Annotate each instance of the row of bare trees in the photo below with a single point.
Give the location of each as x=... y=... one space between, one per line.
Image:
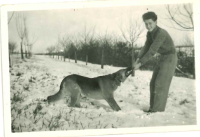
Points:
x=88 y=36
x=180 y=16
x=104 y=51
x=26 y=39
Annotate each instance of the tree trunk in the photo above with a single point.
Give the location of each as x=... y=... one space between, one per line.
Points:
x=113 y=56
x=26 y=52
x=29 y=53
x=75 y=57
x=86 y=59
x=63 y=57
x=22 y=54
x=194 y=76
x=132 y=60
x=10 y=64
x=69 y=57
x=102 y=58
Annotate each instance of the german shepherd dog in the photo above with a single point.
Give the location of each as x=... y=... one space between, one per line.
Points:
x=98 y=88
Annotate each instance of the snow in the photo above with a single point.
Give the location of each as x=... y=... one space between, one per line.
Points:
x=36 y=78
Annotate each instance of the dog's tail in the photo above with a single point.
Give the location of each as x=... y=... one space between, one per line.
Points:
x=55 y=97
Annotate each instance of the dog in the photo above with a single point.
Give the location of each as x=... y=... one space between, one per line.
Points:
x=98 y=88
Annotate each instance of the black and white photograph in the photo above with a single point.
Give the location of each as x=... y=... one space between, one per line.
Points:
x=95 y=68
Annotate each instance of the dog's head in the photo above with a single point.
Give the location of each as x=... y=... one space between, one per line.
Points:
x=122 y=74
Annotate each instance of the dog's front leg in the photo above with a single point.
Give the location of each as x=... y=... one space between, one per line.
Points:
x=113 y=104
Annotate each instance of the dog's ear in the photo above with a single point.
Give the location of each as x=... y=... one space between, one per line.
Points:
x=117 y=77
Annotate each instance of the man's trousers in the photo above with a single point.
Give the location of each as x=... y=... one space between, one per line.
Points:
x=161 y=80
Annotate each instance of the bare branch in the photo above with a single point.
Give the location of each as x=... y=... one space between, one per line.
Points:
x=182 y=17
x=20 y=24
x=173 y=27
x=11 y=17
x=34 y=40
x=190 y=14
x=132 y=32
x=122 y=31
x=87 y=34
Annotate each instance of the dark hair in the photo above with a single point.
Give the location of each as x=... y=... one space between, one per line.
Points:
x=149 y=15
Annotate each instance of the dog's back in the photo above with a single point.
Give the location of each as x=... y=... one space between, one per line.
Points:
x=89 y=87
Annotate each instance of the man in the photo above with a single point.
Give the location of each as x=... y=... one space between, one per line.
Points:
x=158 y=41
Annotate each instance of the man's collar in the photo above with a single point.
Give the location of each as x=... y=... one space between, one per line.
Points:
x=154 y=30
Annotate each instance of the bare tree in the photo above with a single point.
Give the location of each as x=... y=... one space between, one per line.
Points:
x=12 y=48
x=9 y=42
x=20 y=24
x=30 y=45
x=104 y=40
x=86 y=36
x=26 y=41
x=51 y=50
x=181 y=17
x=58 y=46
x=115 y=39
x=68 y=49
x=131 y=33
x=76 y=45
x=65 y=42
x=29 y=42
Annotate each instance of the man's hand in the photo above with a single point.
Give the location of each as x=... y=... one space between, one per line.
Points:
x=137 y=64
x=136 y=61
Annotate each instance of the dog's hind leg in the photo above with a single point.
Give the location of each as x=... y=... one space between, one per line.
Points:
x=77 y=104
x=75 y=92
x=75 y=100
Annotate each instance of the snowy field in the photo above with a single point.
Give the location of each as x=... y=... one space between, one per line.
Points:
x=36 y=78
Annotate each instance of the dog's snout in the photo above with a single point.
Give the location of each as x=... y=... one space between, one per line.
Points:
x=128 y=72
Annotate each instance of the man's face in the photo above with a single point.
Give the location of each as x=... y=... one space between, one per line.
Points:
x=150 y=24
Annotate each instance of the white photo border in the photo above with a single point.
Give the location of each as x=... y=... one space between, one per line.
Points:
x=90 y=4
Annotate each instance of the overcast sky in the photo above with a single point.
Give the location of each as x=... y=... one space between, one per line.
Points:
x=47 y=25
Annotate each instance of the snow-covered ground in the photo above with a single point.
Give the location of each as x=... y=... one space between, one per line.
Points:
x=35 y=79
